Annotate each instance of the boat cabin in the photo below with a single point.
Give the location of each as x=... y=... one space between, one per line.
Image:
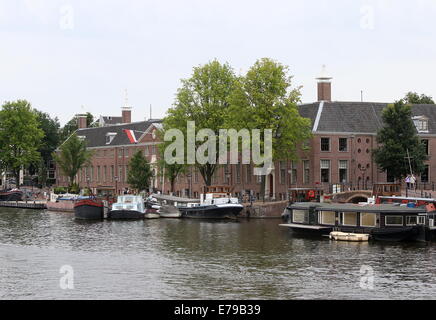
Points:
x=129 y=202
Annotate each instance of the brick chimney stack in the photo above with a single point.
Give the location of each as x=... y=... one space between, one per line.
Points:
x=81 y=121
x=126 y=112
x=324 y=86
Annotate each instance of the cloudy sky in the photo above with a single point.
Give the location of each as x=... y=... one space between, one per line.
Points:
x=62 y=55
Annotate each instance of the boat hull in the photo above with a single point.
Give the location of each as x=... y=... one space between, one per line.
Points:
x=125 y=215
x=394 y=234
x=88 y=210
x=11 y=196
x=211 y=212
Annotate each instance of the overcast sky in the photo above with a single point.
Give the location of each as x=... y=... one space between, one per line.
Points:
x=61 y=55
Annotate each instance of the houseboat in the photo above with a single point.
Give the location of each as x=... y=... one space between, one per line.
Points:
x=128 y=207
x=384 y=222
x=215 y=203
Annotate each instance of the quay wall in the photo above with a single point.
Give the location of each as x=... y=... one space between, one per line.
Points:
x=262 y=210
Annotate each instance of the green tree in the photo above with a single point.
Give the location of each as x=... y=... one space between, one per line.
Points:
x=168 y=171
x=71 y=126
x=264 y=99
x=397 y=138
x=50 y=142
x=415 y=98
x=203 y=98
x=20 y=137
x=140 y=172
x=71 y=157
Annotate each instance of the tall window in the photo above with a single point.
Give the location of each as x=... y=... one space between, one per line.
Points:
x=425 y=143
x=105 y=173
x=293 y=176
x=282 y=172
x=325 y=144
x=248 y=175
x=112 y=173
x=196 y=175
x=325 y=170
x=238 y=173
x=306 y=168
x=343 y=145
x=343 y=171
x=424 y=175
x=98 y=173
x=146 y=152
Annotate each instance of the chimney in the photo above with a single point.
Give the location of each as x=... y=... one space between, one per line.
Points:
x=324 y=86
x=126 y=112
x=81 y=121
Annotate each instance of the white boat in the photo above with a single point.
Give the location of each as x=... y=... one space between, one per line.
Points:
x=168 y=206
x=344 y=236
x=128 y=207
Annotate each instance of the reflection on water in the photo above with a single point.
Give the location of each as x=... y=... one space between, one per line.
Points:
x=193 y=259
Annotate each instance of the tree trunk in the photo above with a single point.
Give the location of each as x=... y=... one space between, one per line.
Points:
x=17 y=178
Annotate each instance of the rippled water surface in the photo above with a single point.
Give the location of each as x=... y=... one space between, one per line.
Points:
x=192 y=259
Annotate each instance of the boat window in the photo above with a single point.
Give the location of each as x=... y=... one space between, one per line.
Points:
x=368 y=219
x=394 y=220
x=411 y=221
x=349 y=218
x=300 y=216
x=328 y=217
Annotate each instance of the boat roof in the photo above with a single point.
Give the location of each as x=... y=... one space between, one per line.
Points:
x=408 y=198
x=173 y=198
x=349 y=207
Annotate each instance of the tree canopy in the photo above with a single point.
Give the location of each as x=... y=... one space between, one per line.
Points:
x=72 y=156
x=397 y=138
x=203 y=98
x=20 y=137
x=415 y=98
x=140 y=172
x=264 y=99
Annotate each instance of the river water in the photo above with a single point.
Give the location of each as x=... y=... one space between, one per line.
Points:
x=192 y=259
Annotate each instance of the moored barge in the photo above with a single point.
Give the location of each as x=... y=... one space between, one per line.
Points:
x=383 y=222
x=89 y=208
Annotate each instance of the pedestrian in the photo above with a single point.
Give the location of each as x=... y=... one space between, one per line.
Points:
x=408 y=181
x=413 y=182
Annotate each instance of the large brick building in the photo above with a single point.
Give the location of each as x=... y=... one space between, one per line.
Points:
x=340 y=151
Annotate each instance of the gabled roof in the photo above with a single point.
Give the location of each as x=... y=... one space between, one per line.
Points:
x=357 y=117
x=96 y=137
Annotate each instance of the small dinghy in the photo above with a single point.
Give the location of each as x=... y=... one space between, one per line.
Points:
x=353 y=237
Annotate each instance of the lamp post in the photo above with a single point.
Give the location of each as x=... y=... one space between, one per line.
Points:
x=363 y=170
x=116 y=185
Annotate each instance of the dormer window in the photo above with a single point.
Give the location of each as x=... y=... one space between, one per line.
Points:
x=110 y=137
x=421 y=124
